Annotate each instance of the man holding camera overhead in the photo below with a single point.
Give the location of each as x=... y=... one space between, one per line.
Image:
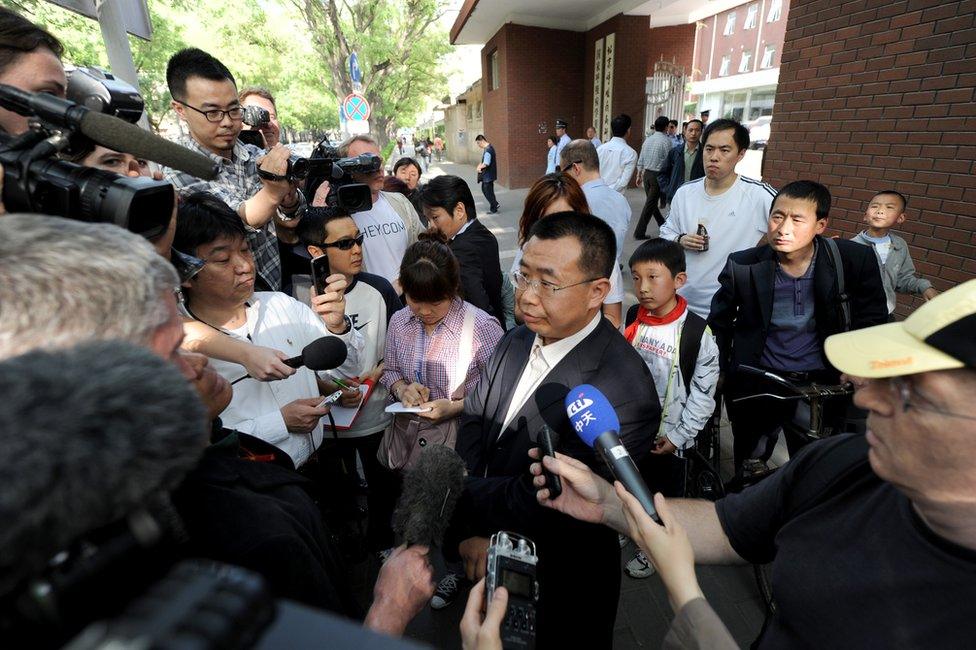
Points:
x=205 y=98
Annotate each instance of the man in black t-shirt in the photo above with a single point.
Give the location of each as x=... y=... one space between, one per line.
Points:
x=872 y=539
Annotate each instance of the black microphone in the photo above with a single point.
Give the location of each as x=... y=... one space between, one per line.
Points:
x=323 y=353
x=108 y=131
x=431 y=490
x=88 y=436
x=595 y=421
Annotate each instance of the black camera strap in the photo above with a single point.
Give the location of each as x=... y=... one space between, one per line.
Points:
x=269 y=176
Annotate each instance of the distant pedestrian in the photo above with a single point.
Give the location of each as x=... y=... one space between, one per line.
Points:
x=563 y=137
x=591 y=136
x=488 y=172
x=551 y=160
x=654 y=153
x=617 y=158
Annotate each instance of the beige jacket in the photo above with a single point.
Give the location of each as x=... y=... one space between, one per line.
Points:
x=403 y=207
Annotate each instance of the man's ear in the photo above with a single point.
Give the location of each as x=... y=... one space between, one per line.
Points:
x=599 y=289
x=680 y=279
x=178 y=108
x=315 y=251
x=460 y=211
x=821 y=225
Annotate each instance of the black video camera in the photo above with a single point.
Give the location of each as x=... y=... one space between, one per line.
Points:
x=345 y=195
x=36 y=180
x=256 y=117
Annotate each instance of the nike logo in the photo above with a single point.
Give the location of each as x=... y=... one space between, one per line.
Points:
x=359 y=327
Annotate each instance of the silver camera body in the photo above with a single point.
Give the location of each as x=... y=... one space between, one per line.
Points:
x=512 y=564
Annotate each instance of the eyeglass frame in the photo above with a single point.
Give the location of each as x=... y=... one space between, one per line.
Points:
x=341 y=243
x=903 y=389
x=537 y=284
x=216 y=110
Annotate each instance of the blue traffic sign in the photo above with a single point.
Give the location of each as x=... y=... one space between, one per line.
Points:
x=354 y=70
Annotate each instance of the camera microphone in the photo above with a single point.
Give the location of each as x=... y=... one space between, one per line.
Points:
x=430 y=492
x=324 y=353
x=107 y=131
x=88 y=436
x=594 y=419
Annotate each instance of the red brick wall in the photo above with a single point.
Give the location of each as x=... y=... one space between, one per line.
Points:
x=741 y=39
x=541 y=74
x=875 y=94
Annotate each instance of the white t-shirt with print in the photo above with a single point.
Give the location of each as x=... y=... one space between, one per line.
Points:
x=385 y=239
x=735 y=220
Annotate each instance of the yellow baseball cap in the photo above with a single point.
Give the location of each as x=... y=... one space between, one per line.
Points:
x=940 y=335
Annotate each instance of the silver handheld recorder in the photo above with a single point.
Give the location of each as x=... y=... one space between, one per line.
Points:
x=512 y=564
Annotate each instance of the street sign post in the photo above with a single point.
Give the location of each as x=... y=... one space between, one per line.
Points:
x=356 y=107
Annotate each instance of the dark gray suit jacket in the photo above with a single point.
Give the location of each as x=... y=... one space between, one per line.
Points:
x=579 y=563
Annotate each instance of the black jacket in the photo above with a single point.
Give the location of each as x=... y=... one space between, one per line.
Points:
x=579 y=563
x=476 y=250
x=743 y=305
x=672 y=174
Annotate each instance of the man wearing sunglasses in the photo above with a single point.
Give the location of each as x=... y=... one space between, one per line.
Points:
x=251 y=182
x=370 y=303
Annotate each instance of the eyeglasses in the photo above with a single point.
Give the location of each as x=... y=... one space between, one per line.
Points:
x=345 y=244
x=542 y=288
x=904 y=388
x=216 y=115
x=569 y=165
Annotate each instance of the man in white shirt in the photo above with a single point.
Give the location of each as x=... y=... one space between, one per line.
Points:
x=580 y=161
x=617 y=158
x=654 y=152
x=391 y=225
x=733 y=209
x=562 y=138
x=284 y=413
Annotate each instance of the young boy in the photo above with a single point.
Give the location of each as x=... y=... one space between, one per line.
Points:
x=682 y=356
x=886 y=210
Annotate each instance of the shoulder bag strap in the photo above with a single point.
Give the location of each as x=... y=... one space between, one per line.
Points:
x=465 y=352
x=845 y=300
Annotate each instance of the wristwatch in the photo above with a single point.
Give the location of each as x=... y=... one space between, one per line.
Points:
x=299 y=206
x=678 y=240
x=348 y=323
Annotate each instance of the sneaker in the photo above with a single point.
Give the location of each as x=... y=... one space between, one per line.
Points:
x=447 y=591
x=384 y=555
x=623 y=539
x=754 y=467
x=639 y=567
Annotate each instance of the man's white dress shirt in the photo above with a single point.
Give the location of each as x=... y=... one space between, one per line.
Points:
x=617 y=162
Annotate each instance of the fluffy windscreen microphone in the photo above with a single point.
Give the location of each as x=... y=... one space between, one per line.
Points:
x=111 y=132
x=430 y=492
x=324 y=353
x=87 y=436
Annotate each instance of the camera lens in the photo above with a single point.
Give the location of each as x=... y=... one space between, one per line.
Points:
x=298 y=168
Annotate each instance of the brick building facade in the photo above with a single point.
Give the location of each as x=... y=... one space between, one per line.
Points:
x=875 y=94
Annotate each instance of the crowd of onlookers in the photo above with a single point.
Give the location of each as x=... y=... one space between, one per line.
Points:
x=444 y=347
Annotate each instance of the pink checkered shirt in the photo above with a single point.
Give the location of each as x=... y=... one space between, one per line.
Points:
x=413 y=355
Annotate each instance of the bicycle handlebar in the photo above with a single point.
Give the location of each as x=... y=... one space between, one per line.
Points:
x=810 y=390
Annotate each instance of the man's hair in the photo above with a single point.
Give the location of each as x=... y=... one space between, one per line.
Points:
x=403 y=162
x=661 y=123
x=363 y=137
x=193 y=62
x=807 y=191
x=581 y=151
x=481 y=138
x=257 y=91
x=203 y=218
x=904 y=199
x=664 y=251
x=740 y=134
x=619 y=125
x=19 y=36
x=546 y=191
x=445 y=192
x=311 y=229
x=429 y=271
x=63 y=282
x=596 y=238
x=673 y=123
x=688 y=123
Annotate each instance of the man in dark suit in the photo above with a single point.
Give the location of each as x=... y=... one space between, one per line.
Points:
x=449 y=208
x=776 y=305
x=560 y=287
x=488 y=172
x=684 y=163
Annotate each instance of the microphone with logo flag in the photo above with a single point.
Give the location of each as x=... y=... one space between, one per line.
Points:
x=594 y=419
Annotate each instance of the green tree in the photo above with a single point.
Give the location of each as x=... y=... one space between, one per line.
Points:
x=401 y=48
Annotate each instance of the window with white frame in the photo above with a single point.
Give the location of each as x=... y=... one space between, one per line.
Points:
x=751 y=17
x=729 y=24
x=775 y=10
x=745 y=65
x=726 y=62
x=768 y=54
x=493 y=77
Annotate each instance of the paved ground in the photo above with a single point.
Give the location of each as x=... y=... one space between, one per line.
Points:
x=643 y=615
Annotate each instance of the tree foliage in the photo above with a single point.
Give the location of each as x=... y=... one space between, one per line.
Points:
x=298 y=49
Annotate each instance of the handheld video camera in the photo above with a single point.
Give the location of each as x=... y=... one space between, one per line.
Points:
x=345 y=195
x=36 y=180
x=256 y=117
x=512 y=564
